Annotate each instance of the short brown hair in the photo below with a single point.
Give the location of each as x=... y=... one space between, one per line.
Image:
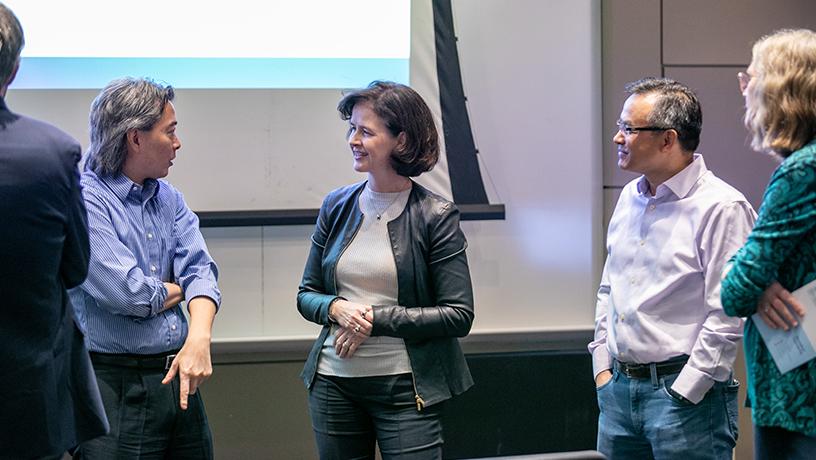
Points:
x=402 y=110
x=781 y=108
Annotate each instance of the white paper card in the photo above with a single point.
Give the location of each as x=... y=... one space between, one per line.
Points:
x=793 y=347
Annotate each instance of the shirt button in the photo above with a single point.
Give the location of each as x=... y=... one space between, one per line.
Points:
x=622 y=317
x=642 y=242
x=173 y=327
x=153 y=268
x=149 y=236
x=651 y=207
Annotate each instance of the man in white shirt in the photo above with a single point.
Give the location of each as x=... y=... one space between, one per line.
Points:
x=663 y=350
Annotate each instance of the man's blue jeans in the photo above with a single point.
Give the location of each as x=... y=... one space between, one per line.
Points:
x=641 y=420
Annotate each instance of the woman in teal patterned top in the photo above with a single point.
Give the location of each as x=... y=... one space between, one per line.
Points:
x=780 y=255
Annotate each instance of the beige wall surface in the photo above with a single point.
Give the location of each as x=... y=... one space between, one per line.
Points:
x=716 y=33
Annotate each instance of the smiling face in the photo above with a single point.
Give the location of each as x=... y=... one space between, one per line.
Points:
x=639 y=151
x=371 y=142
x=151 y=152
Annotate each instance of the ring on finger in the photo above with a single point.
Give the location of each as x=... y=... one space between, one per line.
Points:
x=357 y=329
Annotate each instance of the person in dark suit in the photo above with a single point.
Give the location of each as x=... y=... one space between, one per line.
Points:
x=49 y=400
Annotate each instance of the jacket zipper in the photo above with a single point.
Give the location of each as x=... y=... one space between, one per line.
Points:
x=420 y=403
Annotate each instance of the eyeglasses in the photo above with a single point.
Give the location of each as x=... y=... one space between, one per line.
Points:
x=744 y=78
x=629 y=130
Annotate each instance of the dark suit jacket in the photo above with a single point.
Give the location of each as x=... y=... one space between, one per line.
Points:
x=49 y=400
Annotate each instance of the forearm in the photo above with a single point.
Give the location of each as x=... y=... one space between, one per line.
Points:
x=312 y=300
x=749 y=273
x=712 y=357
x=127 y=295
x=193 y=364
x=601 y=359
x=202 y=313
x=314 y=306
x=422 y=322
x=788 y=213
x=174 y=295
x=451 y=316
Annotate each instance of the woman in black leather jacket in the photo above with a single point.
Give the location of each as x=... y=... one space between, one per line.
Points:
x=388 y=278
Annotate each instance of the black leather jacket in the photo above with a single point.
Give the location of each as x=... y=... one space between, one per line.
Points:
x=435 y=293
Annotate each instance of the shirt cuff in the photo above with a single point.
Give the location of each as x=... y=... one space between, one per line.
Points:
x=203 y=288
x=601 y=360
x=692 y=384
x=157 y=299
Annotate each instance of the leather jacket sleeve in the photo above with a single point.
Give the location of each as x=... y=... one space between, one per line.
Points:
x=444 y=290
x=312 y=300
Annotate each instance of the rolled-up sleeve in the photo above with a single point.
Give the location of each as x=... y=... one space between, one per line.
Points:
x=114 y=277
x=195 y=269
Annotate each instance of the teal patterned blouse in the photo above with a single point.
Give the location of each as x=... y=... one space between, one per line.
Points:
x=782 y=247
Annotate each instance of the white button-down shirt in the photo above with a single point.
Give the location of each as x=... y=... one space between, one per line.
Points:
x=660 y=291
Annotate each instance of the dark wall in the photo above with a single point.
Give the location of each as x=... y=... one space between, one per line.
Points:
x=524 y=403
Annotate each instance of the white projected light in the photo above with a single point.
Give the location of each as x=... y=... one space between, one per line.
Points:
x=200 y=44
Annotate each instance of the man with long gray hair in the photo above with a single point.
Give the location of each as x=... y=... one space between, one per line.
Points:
x=664 y=349
x=147 y=255
x=49 y=401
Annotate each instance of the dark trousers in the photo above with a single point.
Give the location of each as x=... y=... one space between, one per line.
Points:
x=145 y=419
x=350 y=414
x=774 y=443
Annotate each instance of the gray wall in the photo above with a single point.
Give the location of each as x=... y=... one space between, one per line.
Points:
x=518 y=105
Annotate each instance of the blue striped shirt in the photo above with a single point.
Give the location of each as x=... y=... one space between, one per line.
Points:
x=140 y=237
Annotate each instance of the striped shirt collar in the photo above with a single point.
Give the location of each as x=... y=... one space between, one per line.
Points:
x=123 y=187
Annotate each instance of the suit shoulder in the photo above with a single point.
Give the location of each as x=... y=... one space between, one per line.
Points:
x=46 y=132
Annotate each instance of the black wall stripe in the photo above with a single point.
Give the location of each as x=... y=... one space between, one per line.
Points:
x=463 y=164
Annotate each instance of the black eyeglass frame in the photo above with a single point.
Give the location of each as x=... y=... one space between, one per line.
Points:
x=629 y=130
